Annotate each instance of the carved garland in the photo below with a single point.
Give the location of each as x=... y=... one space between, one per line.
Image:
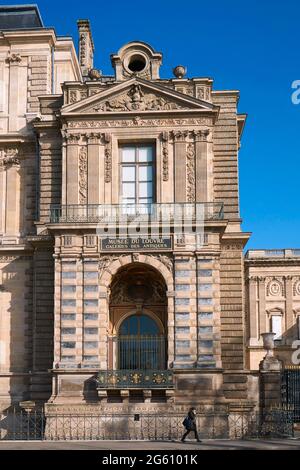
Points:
x=83 y=175
x=107 y=153
x=190 y=164
x=165 y=155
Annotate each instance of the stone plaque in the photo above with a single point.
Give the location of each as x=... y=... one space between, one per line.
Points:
x=136 y=244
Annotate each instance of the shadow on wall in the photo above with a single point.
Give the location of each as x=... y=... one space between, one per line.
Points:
x=16 y=327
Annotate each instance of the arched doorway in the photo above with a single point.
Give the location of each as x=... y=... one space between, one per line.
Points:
x=141 y=343
x=138 y=319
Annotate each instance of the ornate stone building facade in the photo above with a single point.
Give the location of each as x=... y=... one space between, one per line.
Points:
x=93 y=310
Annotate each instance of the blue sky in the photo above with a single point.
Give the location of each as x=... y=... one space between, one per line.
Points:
x=249 y=45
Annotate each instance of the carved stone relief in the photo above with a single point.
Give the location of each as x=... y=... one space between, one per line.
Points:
x=275 y=287
x=296 y=288
x=138 y=121
x=190 y=174
x=83 y=175
x=108 y=157
x=165 y=156
x=9 y=157
x=137 y=100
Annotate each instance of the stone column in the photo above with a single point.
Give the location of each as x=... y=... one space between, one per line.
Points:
x=180 y=165
x=262 y=304
x=13 y=104
x=185 y=311
x=253 y=326
x=201 y=165
x=57 y=310
x=10 y=167
x=171 y=329
x=208 y=311
x=289 y=319
x=72 y=169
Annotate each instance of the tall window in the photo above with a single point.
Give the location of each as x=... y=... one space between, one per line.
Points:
x=137 y=174
x=140 y=344
x=276 y=326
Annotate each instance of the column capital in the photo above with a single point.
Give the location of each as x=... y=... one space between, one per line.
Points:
x=201 y=135
x=179 y=136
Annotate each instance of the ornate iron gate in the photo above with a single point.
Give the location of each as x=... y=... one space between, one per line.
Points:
x=291 y=390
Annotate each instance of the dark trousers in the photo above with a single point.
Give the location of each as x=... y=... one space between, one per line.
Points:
x=188 y=431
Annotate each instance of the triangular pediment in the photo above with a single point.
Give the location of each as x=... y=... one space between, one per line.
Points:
x=137 y=95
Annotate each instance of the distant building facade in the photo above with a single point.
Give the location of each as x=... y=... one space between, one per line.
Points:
x=95 y=308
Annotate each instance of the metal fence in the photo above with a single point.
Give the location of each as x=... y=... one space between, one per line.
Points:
x=291 y=390
x=35 y=425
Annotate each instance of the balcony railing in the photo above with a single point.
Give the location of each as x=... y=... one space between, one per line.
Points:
x=120 y=379
x=149 y=213
x=283 y=253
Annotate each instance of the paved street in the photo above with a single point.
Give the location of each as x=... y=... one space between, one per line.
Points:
x=215 y=444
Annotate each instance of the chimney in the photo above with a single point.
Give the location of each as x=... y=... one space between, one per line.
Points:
x=86 y=47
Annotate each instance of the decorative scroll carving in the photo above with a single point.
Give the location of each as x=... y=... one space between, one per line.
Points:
x=165 y=155
x=9 y=157
x=136 y=100
x=190 y=174
x=14 y=58
x=83 y=175
x=137 y=121
x=83 y=94
x=107 y=153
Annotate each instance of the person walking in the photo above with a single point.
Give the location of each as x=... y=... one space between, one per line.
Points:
x=190 y=424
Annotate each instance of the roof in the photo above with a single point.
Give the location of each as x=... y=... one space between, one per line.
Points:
x=20 y=17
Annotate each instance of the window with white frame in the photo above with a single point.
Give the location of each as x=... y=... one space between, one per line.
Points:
x=276 y=326
x=137 y=174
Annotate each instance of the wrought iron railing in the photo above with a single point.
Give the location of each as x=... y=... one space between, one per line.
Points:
x=120 y=379
x=16 y=424
x=122 y=213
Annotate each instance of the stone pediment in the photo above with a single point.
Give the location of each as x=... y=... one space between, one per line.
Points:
x=137 y=95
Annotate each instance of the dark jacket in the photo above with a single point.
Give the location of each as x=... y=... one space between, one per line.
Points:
x=191 y=422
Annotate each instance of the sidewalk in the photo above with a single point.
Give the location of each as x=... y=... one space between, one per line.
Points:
x=207 y=444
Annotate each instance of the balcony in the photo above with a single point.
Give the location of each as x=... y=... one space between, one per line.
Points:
x=135 y=379
x=121 y=214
